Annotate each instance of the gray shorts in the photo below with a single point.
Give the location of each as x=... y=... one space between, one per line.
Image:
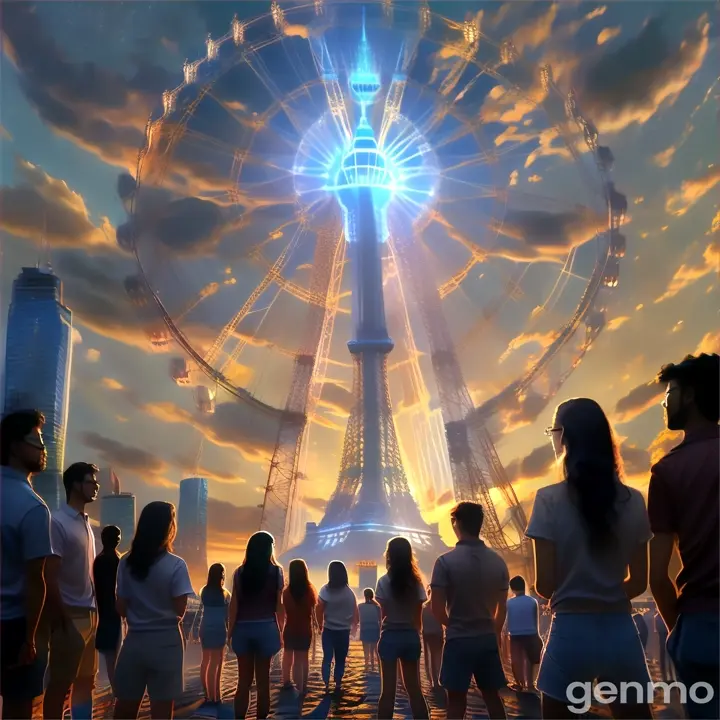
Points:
x=152 y=660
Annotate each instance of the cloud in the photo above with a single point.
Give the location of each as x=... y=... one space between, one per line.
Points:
x=41 y=207
x=117 y=454
x=637 y=401
x=221 y=476
x=630 y=84
x=92 y=355
x=337 y=399
x=534 y=466
x=687 y=275
x=76 y=337
x=710 y=343
x=229 y=527
x=664 y=157
x=715 y=225
x=514 y=411
x=111 y=383
x=663 y=442
x=692 y=190
x=96 y=108
x=607 y=34
x=636 y=460
x=315 y=503
x=539 y=234
x=543 y=339
x=94 y=291
x=233 y=424
x=617 y=322
x=5 y=133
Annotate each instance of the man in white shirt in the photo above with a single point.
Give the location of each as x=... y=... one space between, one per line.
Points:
x=522 y=627
x=73 y=660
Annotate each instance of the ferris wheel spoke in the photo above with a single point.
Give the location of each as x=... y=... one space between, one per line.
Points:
x=333 y=91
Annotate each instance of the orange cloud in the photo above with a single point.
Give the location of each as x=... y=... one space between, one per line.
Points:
x=710 y=343
x=607 y=34
x=686 y=275
x=692 y=190
x=617 y=322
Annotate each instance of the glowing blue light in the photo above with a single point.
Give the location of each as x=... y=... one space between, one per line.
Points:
x=364 y=81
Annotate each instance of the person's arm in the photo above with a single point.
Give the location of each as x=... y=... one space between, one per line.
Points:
x=279 y=606
x=320 y=614
x=438 y=597
x=180 y=588
x=355 y=619
x=37 y=547
x=232 y=612
x=501 y=602
x=541 y=530
x=636 y=581
x=662 y=524
x=58 y=612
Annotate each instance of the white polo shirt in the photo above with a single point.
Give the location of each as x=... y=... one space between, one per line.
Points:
x=73 y=541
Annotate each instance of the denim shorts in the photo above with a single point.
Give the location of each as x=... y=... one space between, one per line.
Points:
x=465 y=658
x=583 y=647
x=399 y=644
x=19 y=682
x=256 y=637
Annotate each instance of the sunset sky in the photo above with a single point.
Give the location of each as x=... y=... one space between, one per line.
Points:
x=79 y=81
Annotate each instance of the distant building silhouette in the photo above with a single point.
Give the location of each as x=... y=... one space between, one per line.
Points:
x=191 y=542
x=119 y=510
x=38 y=360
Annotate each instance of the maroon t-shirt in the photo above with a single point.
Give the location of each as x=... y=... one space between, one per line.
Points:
x=683 y=499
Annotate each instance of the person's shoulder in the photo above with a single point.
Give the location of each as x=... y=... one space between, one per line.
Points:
x=174 y=561
x=552 y=492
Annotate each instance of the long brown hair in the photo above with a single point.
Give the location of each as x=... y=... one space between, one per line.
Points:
x=259 y=556
x=154 y=535
x=401 y=567
x=592 y=466
x=299 y=583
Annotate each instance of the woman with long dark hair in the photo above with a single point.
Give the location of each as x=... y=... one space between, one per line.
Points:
x=299 y=600
x=152 y=591
x=337 y=617
x=369 y=628
x=401 y=595
x=590 y=532
x=255 y=611
x=215 y=600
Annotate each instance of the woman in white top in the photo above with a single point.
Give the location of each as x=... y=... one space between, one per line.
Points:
x=401 y=595
x=591 y=535
x=152 y=591
x=337 y=617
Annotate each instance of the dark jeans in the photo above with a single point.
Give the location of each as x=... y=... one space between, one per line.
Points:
x=19 y=682
x=694 y=648
x=334 y=643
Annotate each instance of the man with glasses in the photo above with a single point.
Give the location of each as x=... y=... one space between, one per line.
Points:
x=26 y=544
x=73 y=660
x=683 y=505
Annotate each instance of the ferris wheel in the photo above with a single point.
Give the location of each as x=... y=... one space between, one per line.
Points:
x=240 y=243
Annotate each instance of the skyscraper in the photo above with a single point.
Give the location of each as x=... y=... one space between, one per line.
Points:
x=38 y=359
x=119 y=510
x=191 y=541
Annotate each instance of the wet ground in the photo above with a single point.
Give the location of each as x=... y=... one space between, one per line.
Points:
x=358 y=701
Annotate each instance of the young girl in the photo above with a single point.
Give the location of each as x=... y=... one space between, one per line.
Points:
x=152 y=591
x=369 y=628
x=433 y=641
x=255 y=606
x=337 y=616
x=591 y=535
x=299 y=600
x=215 y=600
x=401 y=595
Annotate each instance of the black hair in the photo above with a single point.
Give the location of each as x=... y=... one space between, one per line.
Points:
x=337 y=575
x=15 y=427
x=401 y=567
x=469 y=516
x=110 y=536
x=154 y=535
x=76 y=473
x=258 y=559
x=517 y=583
x=214 y=591
x=702 y=375
x=592 y=466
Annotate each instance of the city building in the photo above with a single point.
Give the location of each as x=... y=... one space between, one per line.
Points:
x=38 y=359
x=367 y=575
x=191 y=541
x=109 y=485
x=119 y=509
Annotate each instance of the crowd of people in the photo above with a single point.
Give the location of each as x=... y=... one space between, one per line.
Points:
x=596 y=546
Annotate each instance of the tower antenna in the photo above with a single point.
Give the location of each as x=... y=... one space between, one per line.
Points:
x=43 y=261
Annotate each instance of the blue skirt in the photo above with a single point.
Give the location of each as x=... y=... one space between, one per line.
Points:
x=369 y=634
x=213 y=637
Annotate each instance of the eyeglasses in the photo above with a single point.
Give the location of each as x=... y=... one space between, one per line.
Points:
x=550 y=430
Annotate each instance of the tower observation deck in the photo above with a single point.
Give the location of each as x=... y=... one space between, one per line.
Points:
x=372 y=501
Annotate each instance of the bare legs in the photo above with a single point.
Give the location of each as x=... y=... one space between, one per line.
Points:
x=246 y=673
x=433 y=647
x=110 y=660
x=296 y=663
x=370 y=652
x=411 y=681
x=211 y=668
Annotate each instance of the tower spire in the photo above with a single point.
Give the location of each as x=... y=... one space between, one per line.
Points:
x=43 y=261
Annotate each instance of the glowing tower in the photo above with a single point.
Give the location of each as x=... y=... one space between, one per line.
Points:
x=372 y=501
